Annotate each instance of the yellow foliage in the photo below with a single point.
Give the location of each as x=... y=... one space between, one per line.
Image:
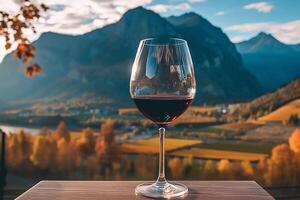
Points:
x=224 y=165
x=247 y=168
x=62 y=132
x=176 y=167
x=106 y=147
x=281 y=167
x=85 y=144
x=44 y=151
x=18 y=150
x=210 y=170
x=294 y=141
x=91 y=164
x=281 y=154
x=225 y=169
x=145 y=167
x=66 y=155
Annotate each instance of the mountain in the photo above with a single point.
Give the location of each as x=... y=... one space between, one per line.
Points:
x=99 y=62
x=263 y=43
x=265 y=56
x=269 y=102
x=220 y=75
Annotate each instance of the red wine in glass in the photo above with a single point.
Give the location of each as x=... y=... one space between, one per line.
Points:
x=162 y=109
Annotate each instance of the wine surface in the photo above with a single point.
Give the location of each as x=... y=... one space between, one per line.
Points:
x=162 y=110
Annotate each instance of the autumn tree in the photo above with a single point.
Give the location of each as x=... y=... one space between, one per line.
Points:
x=236 y=172
x=106 y=147
x=66 y=156
x=294 y=142
x=91 y=167
x=146 y=166
x=225 y=169
x=12 y=27
x=281 y=169
x=44 y=152
x=18 y=150
x=248 y=170
x=86 y=143
x=210 y=171
x=62 y=131
x=261 y=170
x=176 y=167
x=187 y=166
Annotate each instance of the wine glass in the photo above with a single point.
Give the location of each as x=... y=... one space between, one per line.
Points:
x=162 y=85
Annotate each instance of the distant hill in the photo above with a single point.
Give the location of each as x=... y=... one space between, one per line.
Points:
x=272 y=62
x=263 y=43
x=99 y=62
x=267 y=103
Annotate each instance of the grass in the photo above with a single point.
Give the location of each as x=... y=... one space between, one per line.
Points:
x=219 y=154
x=238 y=126
x=151 y=146
x=284 y=112
x=265 y=148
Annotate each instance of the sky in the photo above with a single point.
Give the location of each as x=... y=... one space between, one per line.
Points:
x=239 y=19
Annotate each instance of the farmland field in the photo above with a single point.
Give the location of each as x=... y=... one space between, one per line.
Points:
x=238 y=126
x=264 y=148
x=270 y=132
x=283 y=113
x=219 y=154
x=151 y=146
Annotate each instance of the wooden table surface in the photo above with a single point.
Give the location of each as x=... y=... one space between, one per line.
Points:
x=114 y=190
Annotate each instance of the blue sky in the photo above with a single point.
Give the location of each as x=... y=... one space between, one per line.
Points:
x=239 y=19
x=242 y=19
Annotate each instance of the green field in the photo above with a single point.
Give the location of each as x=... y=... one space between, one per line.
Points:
x=219 y=154
x=241 y=147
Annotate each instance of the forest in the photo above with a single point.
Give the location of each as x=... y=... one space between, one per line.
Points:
x=87 y=155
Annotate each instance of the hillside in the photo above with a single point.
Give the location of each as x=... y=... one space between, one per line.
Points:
x=283 y=113
x=265 y=56
x=99 y=62
x=267 y=103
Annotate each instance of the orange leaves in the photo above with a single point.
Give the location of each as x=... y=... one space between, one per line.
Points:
x=33 y=70
x=30 y=11
x=25 y=52
x=7 y=45
x=12 y=29
x=294 y=141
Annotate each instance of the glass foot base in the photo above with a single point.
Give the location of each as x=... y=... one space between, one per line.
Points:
x=165 y=190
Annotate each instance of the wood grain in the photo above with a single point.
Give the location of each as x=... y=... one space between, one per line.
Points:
x=116 y=190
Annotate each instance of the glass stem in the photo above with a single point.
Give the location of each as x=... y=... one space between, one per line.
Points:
x=161 y=180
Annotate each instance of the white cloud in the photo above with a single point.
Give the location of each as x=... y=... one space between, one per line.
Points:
x=288 y=32
x=161 y=8
x=249 y=27
x=263 y=7
x=220 y=13
x=78 y=17
x=197 y=1
x=237 y=38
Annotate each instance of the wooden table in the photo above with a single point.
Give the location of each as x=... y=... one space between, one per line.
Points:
x=114 y=190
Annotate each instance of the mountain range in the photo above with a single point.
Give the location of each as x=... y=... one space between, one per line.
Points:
x=272 y=62
x=99 y=62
